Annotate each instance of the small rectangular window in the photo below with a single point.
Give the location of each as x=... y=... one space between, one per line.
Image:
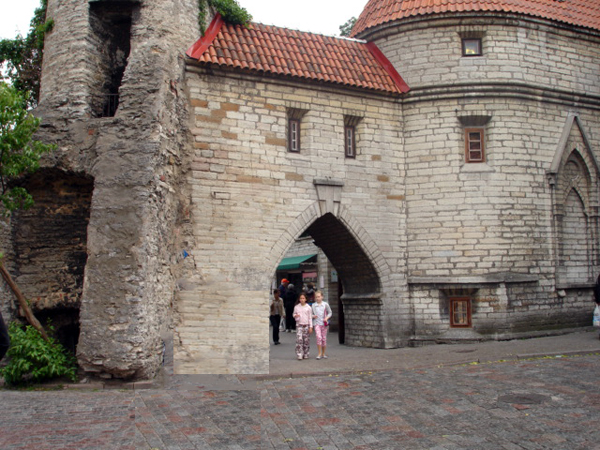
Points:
x=471 y=47
x=474 y=145
x=460 y=312
x=294 y=135
x=350 y=142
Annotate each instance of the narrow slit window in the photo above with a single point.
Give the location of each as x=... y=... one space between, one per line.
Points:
x=294 y=135
x=474 y=151
x=471 y=47
x=460 y=312
x=350 y=142
x=111 y=24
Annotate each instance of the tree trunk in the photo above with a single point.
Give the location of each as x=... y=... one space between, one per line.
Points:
x=22 y=301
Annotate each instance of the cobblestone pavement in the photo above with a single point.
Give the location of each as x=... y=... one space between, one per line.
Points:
x=535 y=403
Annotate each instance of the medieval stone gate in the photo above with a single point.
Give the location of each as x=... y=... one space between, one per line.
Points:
x=455 y=194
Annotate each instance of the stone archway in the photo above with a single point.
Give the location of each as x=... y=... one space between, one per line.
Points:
x=573 y=178
x=360 y=265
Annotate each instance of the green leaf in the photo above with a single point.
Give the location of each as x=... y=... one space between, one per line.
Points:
x=32 y=358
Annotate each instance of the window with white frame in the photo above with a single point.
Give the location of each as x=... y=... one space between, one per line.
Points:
x=350 y=135
x=294 y=135
x=294 y=129
x=474 y=145
x=350 y=141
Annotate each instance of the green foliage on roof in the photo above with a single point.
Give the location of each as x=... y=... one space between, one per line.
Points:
x=230 y=10
x=346 y=28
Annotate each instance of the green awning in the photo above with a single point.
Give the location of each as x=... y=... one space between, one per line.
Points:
x=294 y=262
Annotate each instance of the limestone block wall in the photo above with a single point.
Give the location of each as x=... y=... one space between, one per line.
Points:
x=428 y=53
x=469 y=219
x=472 y=227
x=242 y=176
x=302 y=246
x=480 y=220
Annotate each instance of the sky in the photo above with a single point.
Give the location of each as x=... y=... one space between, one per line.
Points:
x=317 y=16
x=15 y=17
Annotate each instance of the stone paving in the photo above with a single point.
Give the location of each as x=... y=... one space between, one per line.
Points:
x=550 y=402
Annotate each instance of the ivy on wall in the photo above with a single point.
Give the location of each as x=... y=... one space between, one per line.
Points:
x=230 y=10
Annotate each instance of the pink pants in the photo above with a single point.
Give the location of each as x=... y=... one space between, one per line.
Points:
x=321 y=332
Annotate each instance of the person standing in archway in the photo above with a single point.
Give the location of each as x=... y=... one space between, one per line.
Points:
x=276 y=313
x=321 y=316
x=283 y=287
x=289 y=301
x=303 y=317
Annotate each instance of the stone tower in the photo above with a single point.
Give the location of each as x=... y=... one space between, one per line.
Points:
x=112 y=99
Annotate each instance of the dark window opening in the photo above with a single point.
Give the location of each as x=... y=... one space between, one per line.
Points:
x=111 y=26
x=471 y=47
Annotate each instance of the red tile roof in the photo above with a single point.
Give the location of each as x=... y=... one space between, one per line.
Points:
x=584 y=13
x=283 y=52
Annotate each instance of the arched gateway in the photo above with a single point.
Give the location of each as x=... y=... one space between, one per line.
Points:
x=362 y=269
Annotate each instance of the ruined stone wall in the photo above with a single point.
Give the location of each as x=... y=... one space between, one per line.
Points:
x=134 y=158
x=243 y=176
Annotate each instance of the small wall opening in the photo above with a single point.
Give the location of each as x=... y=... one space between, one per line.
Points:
x=66 y=325
x=50 y=248
x=110 y=22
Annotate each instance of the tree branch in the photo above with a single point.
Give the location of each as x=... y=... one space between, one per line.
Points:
x=22 y=301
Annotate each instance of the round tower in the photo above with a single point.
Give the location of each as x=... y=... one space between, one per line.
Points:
x=504 y=98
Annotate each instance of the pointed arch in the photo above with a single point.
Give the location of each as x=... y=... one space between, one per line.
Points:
x=361 y=237
x=574 y=243
x=361 y=267
x=574 y=175
x=574 y=180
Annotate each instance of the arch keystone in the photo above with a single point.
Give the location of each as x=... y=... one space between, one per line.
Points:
x=329 y=194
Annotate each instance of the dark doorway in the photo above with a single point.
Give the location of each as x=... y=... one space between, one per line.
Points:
x=49 y=252
x=358 y=287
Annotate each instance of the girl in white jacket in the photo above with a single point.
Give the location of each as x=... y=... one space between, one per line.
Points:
x=321 y=316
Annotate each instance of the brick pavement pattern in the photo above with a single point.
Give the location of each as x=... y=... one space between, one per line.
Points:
x=542 y=403
x=539 y=404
